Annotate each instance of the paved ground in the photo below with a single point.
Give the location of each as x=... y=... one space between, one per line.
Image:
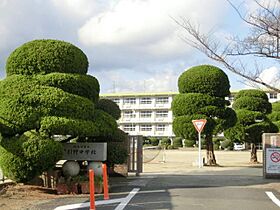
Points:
x=177 y=184
x=171 y=181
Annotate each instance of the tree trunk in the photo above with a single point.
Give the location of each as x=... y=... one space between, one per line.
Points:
x=211 y=160
x=254 y=158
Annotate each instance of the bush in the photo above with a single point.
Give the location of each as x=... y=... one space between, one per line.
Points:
x=103 y=125
x=189 y=143
x=204 y=79
x=110 y=107
x=227 y=144
x=82 y=85
x=177 y=142
x=191 y=103
x=46 y=56
x=25 y=157
x=252 y=104
x=165 y=142
x=116 y=153
x=154 y=141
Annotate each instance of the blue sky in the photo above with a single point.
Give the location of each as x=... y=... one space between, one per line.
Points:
x=132 y=45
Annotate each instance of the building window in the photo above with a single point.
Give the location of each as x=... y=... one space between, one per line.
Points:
x=145 y=100
x=162 y=100
x=146 y=114
x=160 y=127
x=116 y=100
x=129 y=127
x=161 y=114
x=129 y=114
x=129 y=101
x=273 y=95
x=145 y=127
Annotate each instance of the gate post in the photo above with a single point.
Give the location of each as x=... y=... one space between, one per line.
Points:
x=135 y=157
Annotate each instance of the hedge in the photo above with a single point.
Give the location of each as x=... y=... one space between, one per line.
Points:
x=252 y=93
x=253 y=104
x=177 y=142
x=82 y=85
x=110 y=107
x=205 y=79
x=191 y=103
x=46 y=56
x=102 y=125
x=24 y=157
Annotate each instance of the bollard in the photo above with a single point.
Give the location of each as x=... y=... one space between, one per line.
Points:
x=91 y=189
x=105 y=182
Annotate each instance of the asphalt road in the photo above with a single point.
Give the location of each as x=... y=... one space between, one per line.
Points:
x=186 y=191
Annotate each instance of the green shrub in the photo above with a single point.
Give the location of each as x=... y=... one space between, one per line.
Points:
x=204 y=79
x=177 y=142
x=27 y=156
x=154 y=141
x=252 y=104
x=189 y=143
x=191 y=103
x=110 y=107
x=116 y=153
x=103 y=125
x=165 y=142
x=82 y=85
x=46 y=56
x=227 y=144
x=252 y=93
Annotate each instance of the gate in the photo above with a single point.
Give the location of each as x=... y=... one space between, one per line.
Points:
x=135 y=157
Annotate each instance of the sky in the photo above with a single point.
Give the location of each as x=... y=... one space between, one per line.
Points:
x=131 y=45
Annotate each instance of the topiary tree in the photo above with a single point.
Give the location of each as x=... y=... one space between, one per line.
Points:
x=202 y=96
x=117 y=144
x=274 y=116
x=252 y=107
x=47 y=92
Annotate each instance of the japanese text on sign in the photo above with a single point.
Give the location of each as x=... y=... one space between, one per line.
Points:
x=85 y=151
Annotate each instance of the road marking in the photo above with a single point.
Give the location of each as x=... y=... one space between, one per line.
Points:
x=126 y=200
x=123 y=202
x=273 y=198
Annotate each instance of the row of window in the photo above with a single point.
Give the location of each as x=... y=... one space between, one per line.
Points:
x=146 y=100
x=144 y=127
x=270 y=96
x=145 y=114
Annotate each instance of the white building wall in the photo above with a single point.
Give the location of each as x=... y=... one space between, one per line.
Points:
x=136 y=121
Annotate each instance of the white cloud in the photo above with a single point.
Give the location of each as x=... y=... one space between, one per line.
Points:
x=119 y=81
x=147 y=26
x=132 y=40
x=271 y=76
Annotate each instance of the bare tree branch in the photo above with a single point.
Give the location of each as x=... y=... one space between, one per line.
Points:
x=263 y=41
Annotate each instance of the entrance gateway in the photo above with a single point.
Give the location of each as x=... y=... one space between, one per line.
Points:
x=271 y=155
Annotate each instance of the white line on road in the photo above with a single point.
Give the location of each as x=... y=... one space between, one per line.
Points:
x=126 y=200
x=273 y=198
x=123 y=201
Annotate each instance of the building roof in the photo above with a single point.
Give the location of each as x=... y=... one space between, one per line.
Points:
x=138 y=94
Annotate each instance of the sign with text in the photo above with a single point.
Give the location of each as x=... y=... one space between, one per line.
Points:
x=85 y=151
x=199 y=124
x=273 y=160
x=271 y=155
